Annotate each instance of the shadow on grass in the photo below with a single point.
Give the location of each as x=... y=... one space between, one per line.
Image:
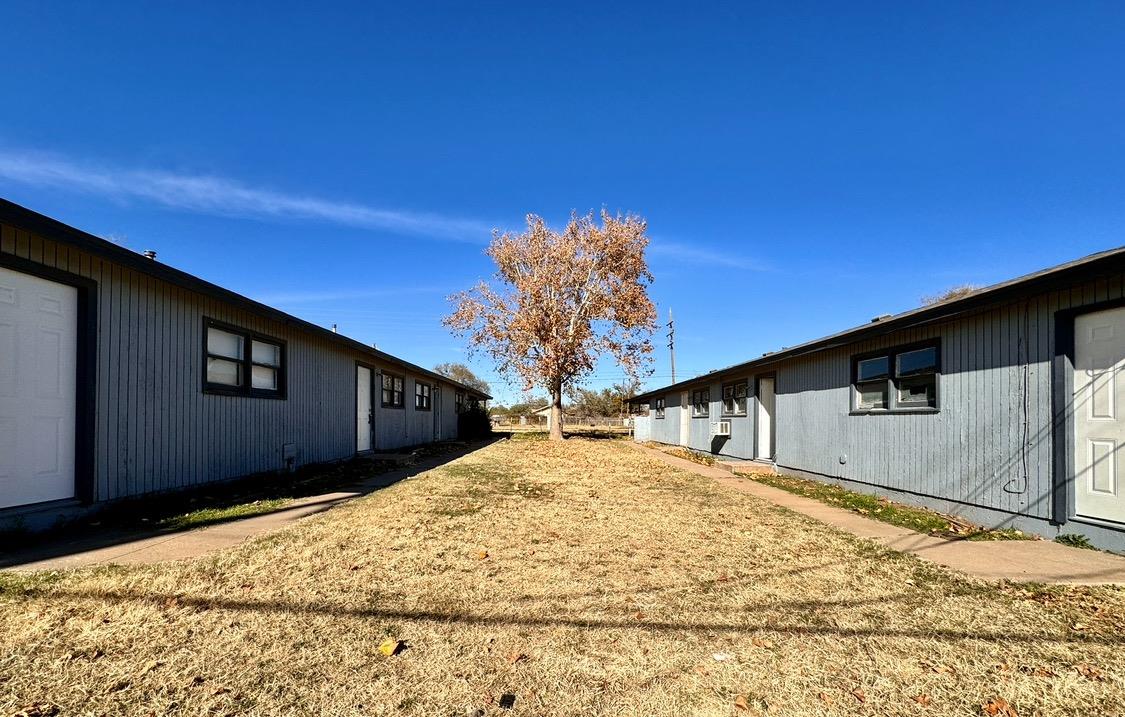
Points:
x=775 y=618
x=174 y=512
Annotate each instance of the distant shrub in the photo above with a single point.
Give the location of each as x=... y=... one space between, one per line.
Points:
x=473 y=423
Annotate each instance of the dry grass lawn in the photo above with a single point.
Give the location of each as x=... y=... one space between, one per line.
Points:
x=581 y=578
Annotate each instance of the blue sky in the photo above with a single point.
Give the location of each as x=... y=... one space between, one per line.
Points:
x=803 y=168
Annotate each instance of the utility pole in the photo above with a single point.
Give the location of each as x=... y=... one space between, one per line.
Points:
x=672 y=343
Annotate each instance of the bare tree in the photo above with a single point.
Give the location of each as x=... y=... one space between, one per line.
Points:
x=954 y=292
x=462 y=373
x=561 y=300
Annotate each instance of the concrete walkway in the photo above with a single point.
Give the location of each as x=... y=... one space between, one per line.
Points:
x=1040 y=561
x=139 y=548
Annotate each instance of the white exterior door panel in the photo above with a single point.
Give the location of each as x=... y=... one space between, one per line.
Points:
x=1099 y=423
x=362 y=409
x=765 y=419
x=38 y=389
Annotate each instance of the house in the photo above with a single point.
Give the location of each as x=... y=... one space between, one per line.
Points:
x=120 y=376
x=1001 y=406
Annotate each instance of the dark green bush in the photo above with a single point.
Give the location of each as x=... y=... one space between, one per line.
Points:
x=473 y=423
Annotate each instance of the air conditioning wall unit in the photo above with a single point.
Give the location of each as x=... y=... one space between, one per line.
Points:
x=720 y=428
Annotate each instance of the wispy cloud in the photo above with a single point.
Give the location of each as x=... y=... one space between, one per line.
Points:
x=330 y=295
x=703 y=255
x=214 y=195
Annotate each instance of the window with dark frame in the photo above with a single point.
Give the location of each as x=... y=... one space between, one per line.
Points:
x=901 y=379
x=393 y=391
x=701 y=403
x=243 y=363
x=658 y=407
x=734 y=398
x=422 y=397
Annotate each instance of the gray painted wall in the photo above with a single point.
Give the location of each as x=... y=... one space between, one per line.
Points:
x=156 y=429
x=989 y=446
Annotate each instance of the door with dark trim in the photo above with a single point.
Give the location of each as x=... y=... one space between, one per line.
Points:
x=39 y=337
x=764 y=419
x=363 y=408
x=1099 y=427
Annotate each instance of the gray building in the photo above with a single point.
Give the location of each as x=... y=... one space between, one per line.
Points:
x=120 y=376
x=1000 y=406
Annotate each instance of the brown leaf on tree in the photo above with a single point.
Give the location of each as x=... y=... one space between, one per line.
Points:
x=998 y=707
x=562 y=300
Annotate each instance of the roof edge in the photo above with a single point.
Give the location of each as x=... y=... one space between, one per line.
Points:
x=55 y=230
x=1109 y=260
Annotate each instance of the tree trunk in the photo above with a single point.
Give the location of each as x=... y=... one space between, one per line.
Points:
x=556 y=413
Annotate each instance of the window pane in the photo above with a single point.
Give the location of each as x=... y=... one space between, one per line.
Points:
x=918 y=391
x=263 y=377
x=872 y=368
x=398 y=383
x=388 y=381
x=388 y=395
x=740 y=405
x=226 y=373
x=871 y=395
x=740 y=391
x=912 y=363
x=224 y=343
x=268 y=354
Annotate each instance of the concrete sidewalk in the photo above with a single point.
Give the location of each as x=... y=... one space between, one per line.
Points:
x=1041 y=561
x=136 y=548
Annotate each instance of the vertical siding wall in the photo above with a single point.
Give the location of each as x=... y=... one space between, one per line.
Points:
x=741 y=441
x=990 y=445
x=156 y=429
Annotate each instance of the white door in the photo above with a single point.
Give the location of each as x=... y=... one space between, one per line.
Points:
x=362 y=408
x=38 y=388
x=1099 y=432
x=765 y=418
x=685 y=419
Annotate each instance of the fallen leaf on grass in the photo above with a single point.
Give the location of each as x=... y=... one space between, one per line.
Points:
x=390 y=647
x=482 y=555
x=924 y=700
x=152 y=665
x=742 y=703
x=826 y=699
x=515 y=657
x=722 y=656
x=759 y=642
x=998 y=707
x=1090 y=672
x=859 y=694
